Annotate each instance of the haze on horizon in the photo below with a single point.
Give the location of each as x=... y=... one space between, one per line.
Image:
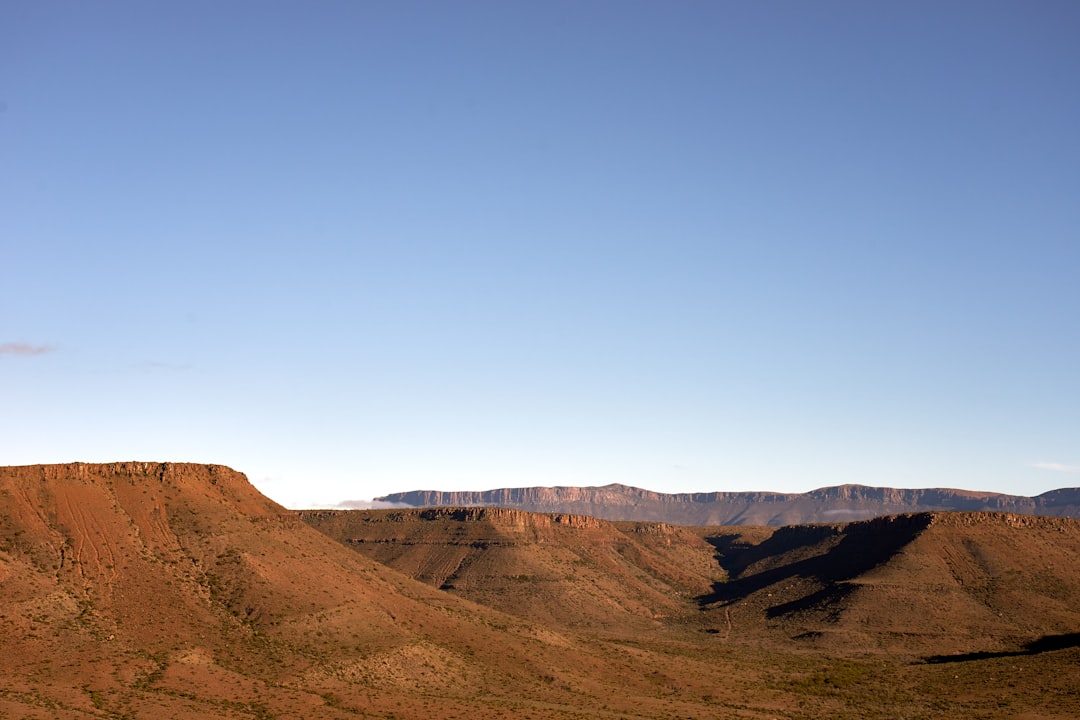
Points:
x=355 y=249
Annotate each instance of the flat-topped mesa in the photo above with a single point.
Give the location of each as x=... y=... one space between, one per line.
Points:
x=165 y=472
x=825 y=505
x=127 y=482
x=945 y=498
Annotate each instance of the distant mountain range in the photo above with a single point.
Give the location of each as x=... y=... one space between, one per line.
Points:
x=831 y=504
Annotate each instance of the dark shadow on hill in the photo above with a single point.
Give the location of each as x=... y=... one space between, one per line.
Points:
x=1047 y=643
x=827 y=554
x=735 y=555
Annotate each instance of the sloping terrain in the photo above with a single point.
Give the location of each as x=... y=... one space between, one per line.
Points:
x=896 y=607
x=161 y=590
x=564 y=570
x=171 y=590
x=941 y=582
x=175 y=590
x=827 y=505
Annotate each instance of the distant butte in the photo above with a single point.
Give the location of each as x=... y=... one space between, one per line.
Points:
x=825 y=505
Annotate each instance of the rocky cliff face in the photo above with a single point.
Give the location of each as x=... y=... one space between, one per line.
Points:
x=509 y=519
x=832 y=504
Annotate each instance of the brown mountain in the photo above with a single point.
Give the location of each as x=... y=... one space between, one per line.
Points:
x=570 y=571
x=985 y=594
x=832 y=504
x=160 y=590
x=941 y=582
x=905 y=582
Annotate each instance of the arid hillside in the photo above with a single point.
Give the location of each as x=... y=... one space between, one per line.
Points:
x=567 y=570
x=826 y=505
x=165 y=590
x=936 y=591
x=933 y=582
x=157 y=590
x=905 y=583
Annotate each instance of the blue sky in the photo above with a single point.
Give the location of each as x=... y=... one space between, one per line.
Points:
x=359 y=248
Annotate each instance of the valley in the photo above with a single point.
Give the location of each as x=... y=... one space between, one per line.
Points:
x=171 y=590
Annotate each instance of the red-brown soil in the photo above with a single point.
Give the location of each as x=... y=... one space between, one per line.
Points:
x=151 y=590
x=929 y=582
x=571 y=571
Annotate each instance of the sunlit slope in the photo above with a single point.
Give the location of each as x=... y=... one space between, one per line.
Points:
x=568 y=570
x=172 y=590
x=150 y=590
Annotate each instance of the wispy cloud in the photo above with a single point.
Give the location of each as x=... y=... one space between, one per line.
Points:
x=23 y=349
x=1057 y=467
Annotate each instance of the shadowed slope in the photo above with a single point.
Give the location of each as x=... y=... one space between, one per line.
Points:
x=949 y=581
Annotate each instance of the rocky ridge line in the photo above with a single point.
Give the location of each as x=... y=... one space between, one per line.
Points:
x=831 y=504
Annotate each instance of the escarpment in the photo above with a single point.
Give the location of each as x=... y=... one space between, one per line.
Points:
x=832 y=504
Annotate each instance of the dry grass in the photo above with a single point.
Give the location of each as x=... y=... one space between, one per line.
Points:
x=167 y=591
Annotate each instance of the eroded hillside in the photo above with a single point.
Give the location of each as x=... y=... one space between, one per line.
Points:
x=172 y=590
x=164 y=590
x=945 y=582
x=568 y=570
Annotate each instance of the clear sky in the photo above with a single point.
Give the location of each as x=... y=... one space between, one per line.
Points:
x=354 y=248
